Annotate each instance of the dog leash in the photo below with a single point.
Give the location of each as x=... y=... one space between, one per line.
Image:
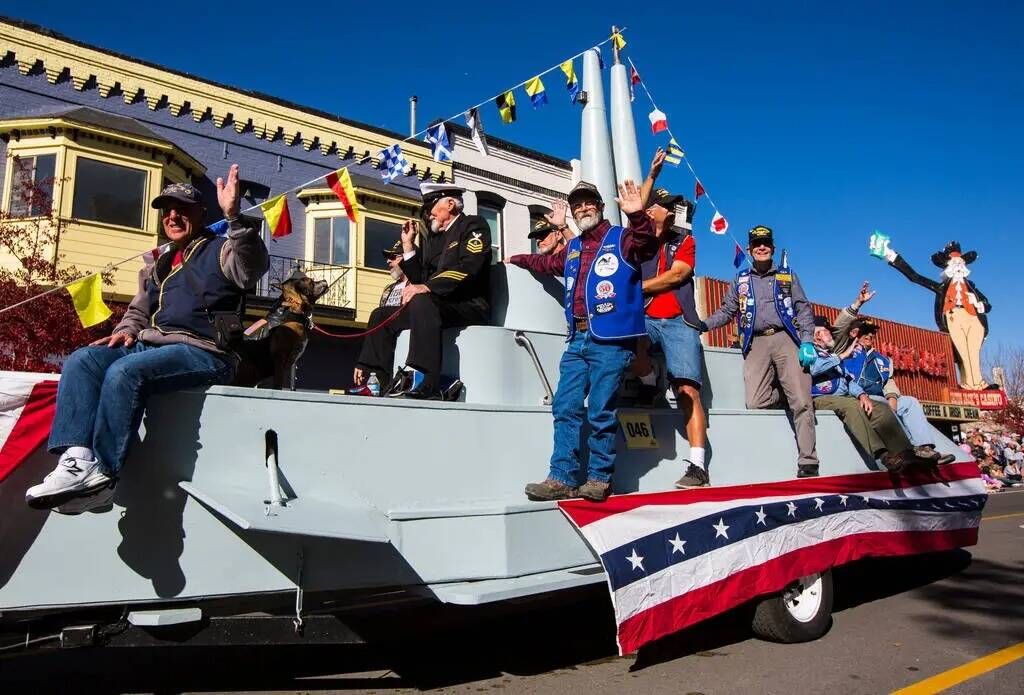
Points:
x=373 y=330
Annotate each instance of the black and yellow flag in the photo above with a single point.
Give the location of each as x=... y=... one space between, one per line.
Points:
x=506 y=106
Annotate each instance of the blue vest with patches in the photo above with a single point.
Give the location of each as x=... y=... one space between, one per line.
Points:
x=782 y=289
x=613 y=291
x=181 y=299
x=829 y=383
x=871 y=371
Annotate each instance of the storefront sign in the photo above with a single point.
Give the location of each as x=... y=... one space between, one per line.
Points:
x=948 y=411
x=989 y=399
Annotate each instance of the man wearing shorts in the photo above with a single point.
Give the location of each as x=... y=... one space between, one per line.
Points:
x=672 y=324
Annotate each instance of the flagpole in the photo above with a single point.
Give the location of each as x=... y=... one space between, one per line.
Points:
x=323 y=176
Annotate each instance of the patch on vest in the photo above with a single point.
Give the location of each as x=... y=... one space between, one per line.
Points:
x=606 y=265
x=824 y=386
x=784 y=277
x=572 y=255
x=605 y=289
x=476 y=244
x=453 y=244
x=569 y=282
x=605 y=307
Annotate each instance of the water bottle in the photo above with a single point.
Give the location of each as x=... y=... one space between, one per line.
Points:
x=373 y=383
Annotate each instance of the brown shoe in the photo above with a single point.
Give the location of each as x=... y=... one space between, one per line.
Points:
x=595 y=491
x=927 y=454
x=550 y=489
x=894 y=461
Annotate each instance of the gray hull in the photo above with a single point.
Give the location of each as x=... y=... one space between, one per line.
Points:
x=380 y=493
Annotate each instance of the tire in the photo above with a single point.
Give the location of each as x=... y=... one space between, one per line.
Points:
x=790 y=617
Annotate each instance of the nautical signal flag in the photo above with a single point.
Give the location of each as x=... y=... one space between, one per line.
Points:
x=634 y=80
x=394 y=163
x=738 y=256
x=571 y=83
x=698 y=191
x=437 y=138
x=659 y=121
x=476 y=130
x=506 y=106
x=275 y=212
x=341 y=183
x=87 y=297
x=675 y=153
x=617 y=39
x=535 y=89
x=719 y=225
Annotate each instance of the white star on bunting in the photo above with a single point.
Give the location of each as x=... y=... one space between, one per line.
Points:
x=842 y=499
x=761 y=516
x=677 y=544
x=818 y=504
x=636 y=560
x=792 y=509
x=720 y=529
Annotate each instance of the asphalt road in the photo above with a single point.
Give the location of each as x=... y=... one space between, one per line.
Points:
x=896 y=622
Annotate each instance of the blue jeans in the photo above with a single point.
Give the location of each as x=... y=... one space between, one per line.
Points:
x=590 y=370
x=911 y=416
x=103 y=390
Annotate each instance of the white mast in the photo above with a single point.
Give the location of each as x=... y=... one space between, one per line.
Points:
x=595 y=143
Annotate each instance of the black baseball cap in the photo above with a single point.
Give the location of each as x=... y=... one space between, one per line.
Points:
x=666 y=200
x=178 y=193
x=394 y=250
x=761 y=235
x=865 y=325
x=585 y=190
x=541 y=229
x=822 y=322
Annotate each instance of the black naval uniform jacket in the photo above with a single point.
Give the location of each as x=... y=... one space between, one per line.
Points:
x=456 y=264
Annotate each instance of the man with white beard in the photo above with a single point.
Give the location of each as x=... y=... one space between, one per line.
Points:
x=448 y=286
x=604 y=309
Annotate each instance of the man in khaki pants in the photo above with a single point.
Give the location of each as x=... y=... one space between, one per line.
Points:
x=773 y=319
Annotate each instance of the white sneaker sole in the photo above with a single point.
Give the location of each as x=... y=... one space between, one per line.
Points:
x=97 y=500
x=54 y=498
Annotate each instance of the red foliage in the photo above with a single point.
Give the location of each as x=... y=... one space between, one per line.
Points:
x=37 y=336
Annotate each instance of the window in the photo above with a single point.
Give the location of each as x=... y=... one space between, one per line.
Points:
x=331 y=240
x=109 y=193
x=378 y=235
x=32 y=185
x=492 y=215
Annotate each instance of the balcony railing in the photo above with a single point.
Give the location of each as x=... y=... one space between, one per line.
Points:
x=338 y=278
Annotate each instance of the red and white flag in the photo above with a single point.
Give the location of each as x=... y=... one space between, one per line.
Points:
x=676 y=558
x=27 y=404
x=153 y=254
x=634 y=80
x=659 y=121
x=719 y=224
x=698 y=191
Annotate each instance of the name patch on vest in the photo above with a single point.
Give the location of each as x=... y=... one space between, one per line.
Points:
x=606 y=265
x=784 y=277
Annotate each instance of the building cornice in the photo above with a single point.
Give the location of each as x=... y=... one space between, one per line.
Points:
x=37 y=49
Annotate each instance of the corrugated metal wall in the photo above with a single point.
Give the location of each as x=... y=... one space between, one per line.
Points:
x=918 y=345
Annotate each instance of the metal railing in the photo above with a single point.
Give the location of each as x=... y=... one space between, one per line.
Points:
x=336 y=276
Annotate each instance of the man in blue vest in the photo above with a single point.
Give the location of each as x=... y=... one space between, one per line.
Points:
x=776 y=329
x=604 y=310
x=176 y=334
x=873 y=372
x=875 y=429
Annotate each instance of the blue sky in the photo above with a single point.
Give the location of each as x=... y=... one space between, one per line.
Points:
x=821 y=121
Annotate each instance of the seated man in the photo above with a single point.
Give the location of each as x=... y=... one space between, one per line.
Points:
x=873 y=372
x=166 y=342
x=448 y=286
x=876 y=430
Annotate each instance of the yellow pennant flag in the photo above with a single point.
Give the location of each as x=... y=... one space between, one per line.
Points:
x=619 y=42
x=87 y=295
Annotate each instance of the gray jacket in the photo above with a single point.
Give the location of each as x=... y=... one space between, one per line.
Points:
x=767 y=316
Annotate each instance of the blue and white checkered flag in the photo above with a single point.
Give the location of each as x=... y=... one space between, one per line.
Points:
x=437 y=137
x=393 y=163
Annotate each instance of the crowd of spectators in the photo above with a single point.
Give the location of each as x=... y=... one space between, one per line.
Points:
x=999 y=453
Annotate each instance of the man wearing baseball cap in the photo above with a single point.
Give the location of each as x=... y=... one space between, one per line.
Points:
x=177 y=333
x=604 y=312
x=550 y=236
x=776 y=328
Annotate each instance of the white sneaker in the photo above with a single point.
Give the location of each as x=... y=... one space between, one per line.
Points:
x=70 y=478
x=96 y=500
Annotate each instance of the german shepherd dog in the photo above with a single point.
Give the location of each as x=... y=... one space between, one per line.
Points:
x=274 y=349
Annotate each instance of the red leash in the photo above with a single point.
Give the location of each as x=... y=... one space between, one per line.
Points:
x=376 y=328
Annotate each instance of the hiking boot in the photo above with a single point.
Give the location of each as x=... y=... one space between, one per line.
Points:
x=96 y=500
x=595 y=490
x=550 y=489
x=896 y=461
x=695 y=476
x=940 y=459
x=71 y=478
x=807 y=470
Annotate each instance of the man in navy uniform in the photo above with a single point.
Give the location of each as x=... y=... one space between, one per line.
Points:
x=604 y=310
x=776 y=329
x=448 y=286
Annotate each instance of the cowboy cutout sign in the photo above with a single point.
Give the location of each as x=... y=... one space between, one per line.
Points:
x=960 y=308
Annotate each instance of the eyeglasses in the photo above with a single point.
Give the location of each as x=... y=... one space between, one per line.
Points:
x=759 y=244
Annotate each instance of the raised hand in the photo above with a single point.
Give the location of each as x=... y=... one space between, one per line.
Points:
x=557 y=215
x=629 y=199
x=228 y=194
x=409 y=236
x=656 y=164
x=866 y=293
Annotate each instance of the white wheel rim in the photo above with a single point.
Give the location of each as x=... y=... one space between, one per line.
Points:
x=803 y=598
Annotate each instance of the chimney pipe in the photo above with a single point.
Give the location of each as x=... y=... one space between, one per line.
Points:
x=412 y=114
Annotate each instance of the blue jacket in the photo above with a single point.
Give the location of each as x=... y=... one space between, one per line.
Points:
x=871 y=371
x=613 y=291
x=830 y=378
